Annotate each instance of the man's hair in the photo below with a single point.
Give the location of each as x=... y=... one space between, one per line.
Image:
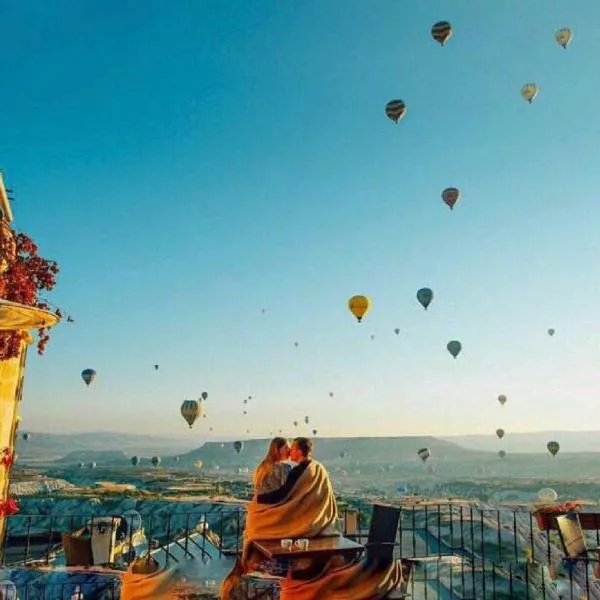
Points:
x=305 y=445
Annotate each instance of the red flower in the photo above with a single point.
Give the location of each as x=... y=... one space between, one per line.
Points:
x=27 y=274
x=9 y=507
x=7 y=459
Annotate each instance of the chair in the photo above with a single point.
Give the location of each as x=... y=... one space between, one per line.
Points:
x=382 y=533
x=78 y=551
x=572 y=538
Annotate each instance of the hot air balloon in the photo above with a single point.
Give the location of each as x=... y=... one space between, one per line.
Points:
x=547 y=495
x=135 y=461
x=156 y=367
x=454 y=347
x=155 y=461
x=500 y=433
x=342 y=454
x=550 y=332
x=26 y=436
x=245 y=412
x=176 y=459
x=239 y=446
x=502 y=399
x=88 y=375
x=372 y=337
x=564 y=37
x=451 y=196
x=191 y=410
x=295 y=344
x=425 y=296
x=501 y=453
x=314 y=432
x=395 y=110
x=81 y=465
x=396 y=331
x=306 y=419
x=245 y=400
x=92 y=465
x=198 y=464
x=204 y=395
x=529 y=91
x=359 y=305
x=553 y=447
x=295 y=423
x=441 y=32
x=424 y=454
x=331 y=394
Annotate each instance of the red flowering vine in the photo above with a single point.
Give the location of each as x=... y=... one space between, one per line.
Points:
x=9 y=507
x=23 y=275
x=7 y=458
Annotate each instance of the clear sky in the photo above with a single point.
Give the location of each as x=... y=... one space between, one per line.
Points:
x=191 y=162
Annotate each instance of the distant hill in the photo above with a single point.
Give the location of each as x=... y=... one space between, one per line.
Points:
x=48 y=447
x=106 y=457
x=379 y=450
x=570 y=441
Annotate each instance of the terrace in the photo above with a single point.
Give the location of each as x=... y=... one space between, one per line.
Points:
x=461 y=552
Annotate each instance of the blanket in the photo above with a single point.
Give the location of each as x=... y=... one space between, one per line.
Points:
x=306 y=509
x=359 y=581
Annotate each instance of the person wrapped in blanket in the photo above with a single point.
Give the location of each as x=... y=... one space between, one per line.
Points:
x=305 y=507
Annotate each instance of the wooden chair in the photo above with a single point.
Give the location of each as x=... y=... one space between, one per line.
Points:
x=572 y=539
x=78 y=551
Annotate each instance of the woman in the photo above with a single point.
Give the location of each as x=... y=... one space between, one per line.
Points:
x=272 y=472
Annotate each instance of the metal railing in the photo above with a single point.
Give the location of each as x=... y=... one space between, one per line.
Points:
x=460 y=552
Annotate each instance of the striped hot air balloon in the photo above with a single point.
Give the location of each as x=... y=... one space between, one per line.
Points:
x=395 y=110
x=564 y=37
x=191 y=410
x=441 y=32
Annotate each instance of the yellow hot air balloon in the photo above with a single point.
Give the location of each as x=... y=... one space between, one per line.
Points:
x=441 y=32
x=198 y=464
x=530 y=91
x=359 y=305
x=564 y=37
x=395 y=110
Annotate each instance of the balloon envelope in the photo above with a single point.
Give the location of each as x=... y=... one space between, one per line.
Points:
x=564 y=36
x=135 y=461
x=529 y=91
x=395 y=110
x=155 y=461
x=88 y=375
x=551 y=332
x=424 y=454
x=547 y=495
x=553 y=447
x=454 y=347
x=441 y=32
x=501 y=453
x=191 y=410
x=359 y=305
x=500 y=433
x=502 y=399
x=425 y=296
x=451 y=196
x=26 y=436
x=238 y=446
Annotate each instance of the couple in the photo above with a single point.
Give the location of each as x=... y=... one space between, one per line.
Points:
x=296 y=503
x=272 y=473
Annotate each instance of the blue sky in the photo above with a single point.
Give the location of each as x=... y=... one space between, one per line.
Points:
x=191 y=162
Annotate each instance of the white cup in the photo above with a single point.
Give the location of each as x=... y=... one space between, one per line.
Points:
x=302 y=544
x=286 y=543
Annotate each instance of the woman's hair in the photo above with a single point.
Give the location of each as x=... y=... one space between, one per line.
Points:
x=270 y=459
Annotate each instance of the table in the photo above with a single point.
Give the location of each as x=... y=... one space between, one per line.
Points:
x=319 y=547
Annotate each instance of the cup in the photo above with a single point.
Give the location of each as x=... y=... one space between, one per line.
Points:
x=286 y=544
x=302 y=544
